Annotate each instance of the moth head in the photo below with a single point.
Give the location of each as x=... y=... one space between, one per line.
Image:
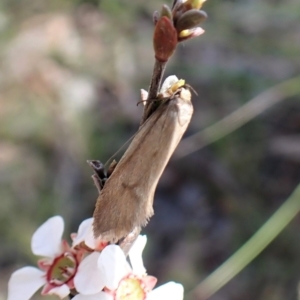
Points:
x=184 y=93
x=170 y=86
x=173 y=86
x=190 y=88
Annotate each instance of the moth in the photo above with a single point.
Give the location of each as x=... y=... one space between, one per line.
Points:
x=126 y=200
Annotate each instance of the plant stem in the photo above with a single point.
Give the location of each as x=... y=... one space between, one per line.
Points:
x=157 y=75
x=251 y=249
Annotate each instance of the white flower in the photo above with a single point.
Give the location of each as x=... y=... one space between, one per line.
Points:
x=170 y=290
x=56 y=271
x=117 y=280
x=85 y=237
x=84 y=234
x=167 y=84
x=170 y=86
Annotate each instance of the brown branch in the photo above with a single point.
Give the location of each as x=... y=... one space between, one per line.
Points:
x=158 y=72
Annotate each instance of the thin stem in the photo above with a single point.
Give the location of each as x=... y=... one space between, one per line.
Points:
x=157 y=75
x=251 y=249
x=158 y=72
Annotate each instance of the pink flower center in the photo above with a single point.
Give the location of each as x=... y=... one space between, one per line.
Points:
x=131 y=288
x=63 y=269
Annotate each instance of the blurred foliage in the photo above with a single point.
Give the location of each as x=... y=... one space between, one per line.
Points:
x=69 y=82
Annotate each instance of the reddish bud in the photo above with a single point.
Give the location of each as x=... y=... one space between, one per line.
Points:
x=164 y=39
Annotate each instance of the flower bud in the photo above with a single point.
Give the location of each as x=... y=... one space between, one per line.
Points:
x=164 y=39
x=166 y=11
x=190 y=19
x=176 y=3
x=196 y=4
x=155 y=17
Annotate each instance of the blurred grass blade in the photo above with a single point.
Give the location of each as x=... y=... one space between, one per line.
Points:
x=259 y=241
x=239 y=117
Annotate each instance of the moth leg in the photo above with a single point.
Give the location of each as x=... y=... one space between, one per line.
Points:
x=155 y=103
x=98 y=168
x=144 y=96
x=142 y=101
x=100 y=176
x=126 y=242
x=111 y=168
x=98 y=182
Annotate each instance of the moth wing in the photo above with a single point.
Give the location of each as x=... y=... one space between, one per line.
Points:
x=116 y=211
x=127 y=197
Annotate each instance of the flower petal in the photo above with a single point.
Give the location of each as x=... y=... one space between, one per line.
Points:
x=150 y=282
x=89 y=279
x=170 y=290
x=46 y=241
x=113 y=262
x=99 y=296
x=85 y=234
x=169 y=81
x=190 y=33
x=135 y=255
x=61 y=291
x=24 y=282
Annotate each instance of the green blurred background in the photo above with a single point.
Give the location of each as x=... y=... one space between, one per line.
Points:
x=70 y=74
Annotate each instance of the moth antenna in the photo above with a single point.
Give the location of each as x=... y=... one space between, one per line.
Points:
x=191 y=88
x=129 y=140
x=118 y=151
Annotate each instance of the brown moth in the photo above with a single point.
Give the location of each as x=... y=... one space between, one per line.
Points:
x=126 y=200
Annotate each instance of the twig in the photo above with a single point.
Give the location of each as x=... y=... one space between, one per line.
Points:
x=158 y=73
